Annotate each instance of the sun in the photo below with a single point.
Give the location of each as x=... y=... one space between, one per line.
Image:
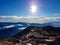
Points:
x=33 y=8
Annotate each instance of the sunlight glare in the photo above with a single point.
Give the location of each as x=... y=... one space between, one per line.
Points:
x=33 y=8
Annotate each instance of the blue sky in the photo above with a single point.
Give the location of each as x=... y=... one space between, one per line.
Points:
x=46 y=8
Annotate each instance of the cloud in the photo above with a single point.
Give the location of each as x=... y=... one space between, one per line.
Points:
x=10 y=26
x=28 y=19
x=19 y=24
x=22 y=28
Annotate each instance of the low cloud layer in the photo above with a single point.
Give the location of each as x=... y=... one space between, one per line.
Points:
x=10 y=26
x=28 y=19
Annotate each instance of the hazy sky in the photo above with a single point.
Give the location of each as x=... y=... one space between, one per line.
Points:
x=45 y=8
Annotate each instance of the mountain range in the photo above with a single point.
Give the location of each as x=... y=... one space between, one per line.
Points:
x=9 y=29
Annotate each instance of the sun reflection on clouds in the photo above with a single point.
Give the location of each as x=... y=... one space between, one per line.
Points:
x=28 y=19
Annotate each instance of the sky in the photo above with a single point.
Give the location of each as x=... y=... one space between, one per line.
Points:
x=21 y=8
